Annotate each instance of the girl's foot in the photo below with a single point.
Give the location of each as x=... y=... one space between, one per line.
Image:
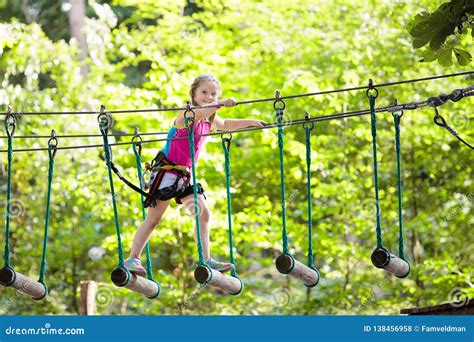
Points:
x=219 y=266
x=134 y=265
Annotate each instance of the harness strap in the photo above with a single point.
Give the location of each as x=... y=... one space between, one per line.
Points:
x=164 y=165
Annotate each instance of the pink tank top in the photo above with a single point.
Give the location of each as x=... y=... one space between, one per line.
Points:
x=177 y=151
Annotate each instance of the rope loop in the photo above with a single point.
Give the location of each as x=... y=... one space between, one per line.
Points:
x=278 y=100
x=10 y=123
x=104 y=119
x=227 y=140
x=189 y=120
x=438 y=119
x=52 y=144
x=137 y=141
x=372 y=89
x=441 y=122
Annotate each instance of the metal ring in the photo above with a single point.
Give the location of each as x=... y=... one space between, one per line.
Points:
x=104 y=120
x=376 y=92
x=308 y=123
x=53 y=142
x=189 y=109
x=10 y=125
x=139 y=137
x=278 y=100
x=224 y=138
x=306 y=117
x=399 y=115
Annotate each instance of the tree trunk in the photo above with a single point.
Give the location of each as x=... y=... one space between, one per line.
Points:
x=24 y=7
x=415 y=241
x=76 y=15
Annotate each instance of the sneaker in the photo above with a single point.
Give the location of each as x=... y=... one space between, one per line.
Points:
x=219 y=266
x=134 y=265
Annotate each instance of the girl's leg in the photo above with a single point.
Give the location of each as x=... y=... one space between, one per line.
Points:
x=143 y=233
x=204 y=219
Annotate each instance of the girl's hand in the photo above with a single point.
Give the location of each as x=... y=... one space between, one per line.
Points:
x=230 y=102
x=258 y=123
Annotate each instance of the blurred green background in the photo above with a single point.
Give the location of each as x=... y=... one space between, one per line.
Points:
x=144 y=54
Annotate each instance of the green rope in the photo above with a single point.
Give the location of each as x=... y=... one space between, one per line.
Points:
x=396 y=118
x=279 y=114
x=108 y=158
x=373 y=122
x=189 y=123
x=229 y=205
x=308 y=181
x=138 y=158
x=51 y=149
x=9 y=177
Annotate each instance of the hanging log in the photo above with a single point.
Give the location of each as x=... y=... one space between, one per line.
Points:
x=287 y=264
x=382 y=258
x=23 y=284
x=121 y=277
x=228 y=284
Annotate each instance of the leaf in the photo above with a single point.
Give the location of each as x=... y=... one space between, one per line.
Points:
x=439 y=38
x=463 y=57
x=418 y=18
x=446 y=57
x=430 y=55
x=420 y=42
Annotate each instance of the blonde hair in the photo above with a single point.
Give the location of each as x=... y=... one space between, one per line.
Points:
x=196 y=83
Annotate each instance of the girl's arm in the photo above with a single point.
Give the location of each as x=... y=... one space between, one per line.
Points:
x=203 y=113
x=233 y=124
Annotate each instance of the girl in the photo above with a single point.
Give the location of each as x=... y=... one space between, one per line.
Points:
x=204 y=91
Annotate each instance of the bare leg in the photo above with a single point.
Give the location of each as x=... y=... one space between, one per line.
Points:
x=204 y=219
x=143 y=233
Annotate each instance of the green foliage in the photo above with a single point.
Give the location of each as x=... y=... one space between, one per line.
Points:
x=144 y=54
x=445 y=30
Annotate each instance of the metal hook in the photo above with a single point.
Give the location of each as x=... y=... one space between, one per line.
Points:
x=189 y=120
x=306 y=124
x=52 y=144
x=371 y=87
x=104 y=119
x=10 y=122
x=136 y=135
x=278 y=100
x=395 y=103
